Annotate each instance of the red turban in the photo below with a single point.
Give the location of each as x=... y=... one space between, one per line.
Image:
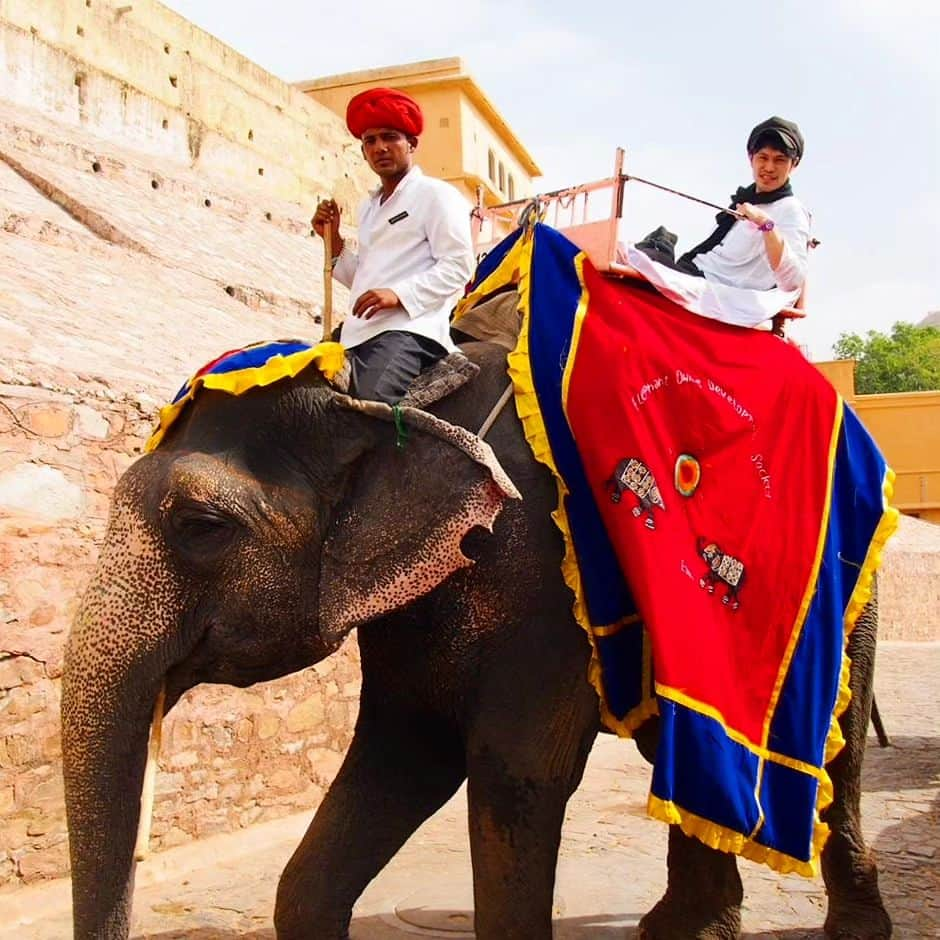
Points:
x=384 y=107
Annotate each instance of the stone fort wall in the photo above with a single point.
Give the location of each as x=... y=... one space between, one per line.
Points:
x=155 y=195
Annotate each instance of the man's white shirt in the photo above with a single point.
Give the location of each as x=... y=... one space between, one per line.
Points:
x=417 y=244
x=741 y=258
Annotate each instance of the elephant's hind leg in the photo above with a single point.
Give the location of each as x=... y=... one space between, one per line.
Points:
x=396 y=774
x=856 y=910
x=703 y=895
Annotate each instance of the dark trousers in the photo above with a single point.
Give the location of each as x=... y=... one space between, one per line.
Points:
x=660 y=245
x=384 y=367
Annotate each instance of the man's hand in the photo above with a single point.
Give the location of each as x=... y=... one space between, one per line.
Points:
x=752 y=213
x=773 y=243
x=372 y=301
x=328 y=214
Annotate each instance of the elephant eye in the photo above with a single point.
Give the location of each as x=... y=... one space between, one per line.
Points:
x=200 y=533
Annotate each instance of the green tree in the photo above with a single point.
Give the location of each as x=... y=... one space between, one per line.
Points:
x=906 y=361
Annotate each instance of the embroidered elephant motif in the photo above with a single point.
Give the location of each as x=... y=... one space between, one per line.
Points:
x=724 y=569
x=633 y=475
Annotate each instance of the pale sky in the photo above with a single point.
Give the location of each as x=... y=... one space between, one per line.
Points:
x=679 y=85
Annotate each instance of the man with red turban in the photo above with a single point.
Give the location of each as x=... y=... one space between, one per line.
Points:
x=415 y=252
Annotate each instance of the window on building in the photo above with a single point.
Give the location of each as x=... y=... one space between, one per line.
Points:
x=492 y=166
x=512 y=188
x=502 y=178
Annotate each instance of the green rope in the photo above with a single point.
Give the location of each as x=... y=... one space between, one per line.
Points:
x=400 y=429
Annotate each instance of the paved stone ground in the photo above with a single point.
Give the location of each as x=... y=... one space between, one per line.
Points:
x=611 y=868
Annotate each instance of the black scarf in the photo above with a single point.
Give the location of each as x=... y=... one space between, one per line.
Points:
x=725 y=221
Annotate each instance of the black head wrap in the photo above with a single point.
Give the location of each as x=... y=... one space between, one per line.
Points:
x=779 y=133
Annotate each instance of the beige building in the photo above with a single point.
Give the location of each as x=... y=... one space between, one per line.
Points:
x=906 y=426
x=466 y=141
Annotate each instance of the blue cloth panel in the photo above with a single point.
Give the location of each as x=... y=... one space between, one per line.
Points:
x=726 y=794
x=555 y=296
x=811 y=685
x=788 y=798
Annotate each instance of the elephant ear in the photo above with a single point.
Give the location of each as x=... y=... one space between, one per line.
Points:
x=398 y=532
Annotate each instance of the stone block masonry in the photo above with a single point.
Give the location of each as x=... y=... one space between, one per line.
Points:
x=155 y=196
x=151 y=79
x=231 y=757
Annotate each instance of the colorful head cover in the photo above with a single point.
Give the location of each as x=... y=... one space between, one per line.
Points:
x=384 y=107
x=239 y=370
x=779 y=133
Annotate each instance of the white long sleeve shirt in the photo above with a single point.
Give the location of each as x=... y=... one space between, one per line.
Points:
x=417 y=243
x=741 y=259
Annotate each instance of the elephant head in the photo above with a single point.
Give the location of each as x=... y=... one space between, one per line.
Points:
x=262 y=530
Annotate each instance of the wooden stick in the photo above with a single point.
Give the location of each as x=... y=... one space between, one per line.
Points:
x=142 y=847
x=327 y=282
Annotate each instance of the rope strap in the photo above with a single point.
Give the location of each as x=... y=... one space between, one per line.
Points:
x=401 y=431
x=495 y=412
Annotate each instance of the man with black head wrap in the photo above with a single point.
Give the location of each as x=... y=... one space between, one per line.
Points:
x=768 y=247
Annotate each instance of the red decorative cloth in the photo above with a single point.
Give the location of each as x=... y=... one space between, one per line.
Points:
x=384 y=107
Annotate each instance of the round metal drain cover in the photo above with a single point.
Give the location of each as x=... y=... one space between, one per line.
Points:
x=442 y=908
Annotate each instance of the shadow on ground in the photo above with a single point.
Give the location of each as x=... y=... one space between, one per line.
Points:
x=601 y=927
x=207 y=933
x=908 y=858
x=907 y=873
x=910 y=763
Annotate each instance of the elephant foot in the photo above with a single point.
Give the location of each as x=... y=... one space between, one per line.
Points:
x=857 y=920
x=670 y=920
x=856 y=911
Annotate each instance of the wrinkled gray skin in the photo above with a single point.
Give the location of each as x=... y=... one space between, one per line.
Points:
x=255 y=538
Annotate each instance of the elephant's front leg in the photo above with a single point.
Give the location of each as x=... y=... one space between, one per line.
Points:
x=519 y=783
x=703 y=894
x=396 y=774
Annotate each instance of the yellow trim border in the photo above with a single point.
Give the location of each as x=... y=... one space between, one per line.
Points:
x=728 y=840
x=809 y=591
x=518 y=262
x=527 y=407
x=508 y=271
x=327 y=357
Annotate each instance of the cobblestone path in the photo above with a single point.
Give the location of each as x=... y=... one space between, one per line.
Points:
x=611 y=868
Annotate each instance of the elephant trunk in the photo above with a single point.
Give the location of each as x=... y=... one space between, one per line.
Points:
x=116 y=657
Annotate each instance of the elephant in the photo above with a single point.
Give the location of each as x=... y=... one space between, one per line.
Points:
x=268 y=526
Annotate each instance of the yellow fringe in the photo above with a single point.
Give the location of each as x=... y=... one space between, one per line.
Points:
x=728 y=840
x=516 y=266
x=864 y=586
x=530 y=415
x=809 y=591
x=508 y=271
x=328 y=357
